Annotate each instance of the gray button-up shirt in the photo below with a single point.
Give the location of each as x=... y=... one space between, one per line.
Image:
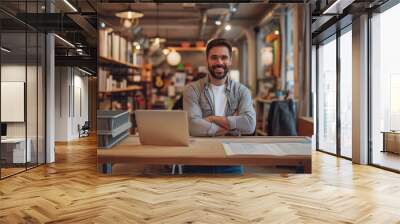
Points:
x=239 y=109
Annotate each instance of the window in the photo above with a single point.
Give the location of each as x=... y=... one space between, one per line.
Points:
x=385 y=83
x=327 y=96
x=346 y=94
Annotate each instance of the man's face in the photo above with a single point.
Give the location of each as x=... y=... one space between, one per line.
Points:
x=219 y=62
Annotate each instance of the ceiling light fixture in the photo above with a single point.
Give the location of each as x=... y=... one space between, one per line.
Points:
x=157 y=40
x=5 y=50
x=228 y=27
x=276 y=32
x=165 y=51
x=218 y=22
x=70 y=5
x=65 y=41
x=137 y=47
x=102 y=25
x=129 y=18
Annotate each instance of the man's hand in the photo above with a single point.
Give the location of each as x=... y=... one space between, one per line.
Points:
x=219 y=120
x=221 y=131
x=210 y=119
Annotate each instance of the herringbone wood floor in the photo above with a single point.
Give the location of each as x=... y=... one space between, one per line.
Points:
x=71 y=191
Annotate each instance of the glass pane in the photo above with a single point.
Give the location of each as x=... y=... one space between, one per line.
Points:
x=313 y=92
x=41 y=99
x=31 y=97
x=386 y=89
x=327 y=97
x=346 y=94
x=14 y=152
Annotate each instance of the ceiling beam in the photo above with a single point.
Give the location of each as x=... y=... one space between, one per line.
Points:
x=84 y=24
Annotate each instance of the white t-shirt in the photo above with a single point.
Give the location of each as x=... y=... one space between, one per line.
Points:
x=218 y=97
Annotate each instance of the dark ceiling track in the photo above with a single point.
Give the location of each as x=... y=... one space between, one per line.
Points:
x=203 y=1
x=15 y=19
x=77 y=61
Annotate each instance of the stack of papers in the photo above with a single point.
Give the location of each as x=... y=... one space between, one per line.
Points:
x=272 y=149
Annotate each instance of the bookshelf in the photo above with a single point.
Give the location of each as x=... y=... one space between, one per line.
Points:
x=188 y=49
x=127 y=89
x=124 y=79
x=109 y=61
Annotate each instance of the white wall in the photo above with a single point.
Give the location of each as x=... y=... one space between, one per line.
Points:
x=71 y=93
x=16 y=73
x=34 y=124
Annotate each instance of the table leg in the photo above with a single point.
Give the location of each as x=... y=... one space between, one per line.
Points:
x=105 y=168
x=307 y=167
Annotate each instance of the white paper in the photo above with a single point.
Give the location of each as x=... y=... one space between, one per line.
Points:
x=273 y=149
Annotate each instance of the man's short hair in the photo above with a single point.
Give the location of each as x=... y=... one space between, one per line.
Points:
x=217 y=43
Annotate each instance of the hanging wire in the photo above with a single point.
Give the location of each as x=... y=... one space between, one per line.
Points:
x=157 y=19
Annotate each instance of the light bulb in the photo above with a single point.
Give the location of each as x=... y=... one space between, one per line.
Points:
x=127 y=23
x=165 y=51
x=228 y=27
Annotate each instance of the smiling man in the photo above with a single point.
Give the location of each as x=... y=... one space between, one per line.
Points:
x=216 y=104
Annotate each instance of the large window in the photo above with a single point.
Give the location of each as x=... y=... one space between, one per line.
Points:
x=385 y=86
x=333 y=66
x=22 y=77
x=346 y=93
x=327 y=96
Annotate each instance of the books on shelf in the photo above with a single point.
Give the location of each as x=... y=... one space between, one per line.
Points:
x=102 y=77
x=103 y=40
x=107 y=83
x=115 y=47
x=123 y=50
x=129 y=49
x=137 y=58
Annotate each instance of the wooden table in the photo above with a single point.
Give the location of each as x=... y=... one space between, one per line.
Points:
x=201 y=151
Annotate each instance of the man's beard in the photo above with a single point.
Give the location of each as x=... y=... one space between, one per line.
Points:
x=215 y=76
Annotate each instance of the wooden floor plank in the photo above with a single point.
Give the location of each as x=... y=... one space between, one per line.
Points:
x=71 y=191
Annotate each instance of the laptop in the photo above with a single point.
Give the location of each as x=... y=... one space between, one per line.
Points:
x=163 y=127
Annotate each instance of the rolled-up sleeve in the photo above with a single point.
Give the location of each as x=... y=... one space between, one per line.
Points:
x=245 y=121
x=197 y=125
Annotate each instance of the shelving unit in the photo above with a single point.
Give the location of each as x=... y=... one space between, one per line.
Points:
x=124 y=79
x=187 y=48
x=120 y=90
x=105 y=60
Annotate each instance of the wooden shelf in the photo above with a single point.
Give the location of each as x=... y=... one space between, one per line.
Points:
x=105 y=60
x=128 y=89
x=191 y=49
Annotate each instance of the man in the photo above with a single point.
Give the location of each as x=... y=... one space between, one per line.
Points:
x=216 y=104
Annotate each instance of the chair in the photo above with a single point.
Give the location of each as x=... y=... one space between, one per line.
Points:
x=84 y=130
x=282 y=118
